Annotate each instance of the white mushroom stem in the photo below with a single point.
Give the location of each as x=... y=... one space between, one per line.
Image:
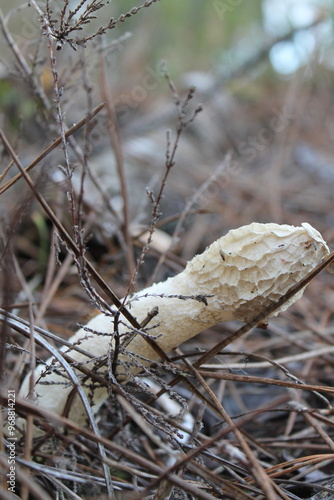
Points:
x=233 y=279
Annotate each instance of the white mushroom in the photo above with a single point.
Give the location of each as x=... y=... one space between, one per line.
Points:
x=233 y=279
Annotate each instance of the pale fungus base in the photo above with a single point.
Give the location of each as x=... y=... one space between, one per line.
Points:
x=233 y=279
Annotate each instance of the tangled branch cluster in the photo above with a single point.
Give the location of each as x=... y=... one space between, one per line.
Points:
x=71 y=21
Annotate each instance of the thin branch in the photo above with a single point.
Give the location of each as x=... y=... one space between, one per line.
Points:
x=70 y=24
x=26 y=71
x=247 y=379
x=123 y=451
x=87 y=267
x=115 y=140
x=52 y=146
x=171 y=149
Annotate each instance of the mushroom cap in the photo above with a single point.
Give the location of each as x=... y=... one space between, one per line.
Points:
x=255 y=265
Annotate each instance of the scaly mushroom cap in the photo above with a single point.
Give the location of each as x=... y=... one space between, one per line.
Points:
x=255 y=265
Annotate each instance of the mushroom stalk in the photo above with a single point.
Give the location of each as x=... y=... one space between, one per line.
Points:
x=233 y=279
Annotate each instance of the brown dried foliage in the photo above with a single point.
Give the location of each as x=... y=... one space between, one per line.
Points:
x=262 y=404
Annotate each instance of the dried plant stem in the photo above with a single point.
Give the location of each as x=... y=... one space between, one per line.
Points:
x=197 y=197
x=71 y=373
x=117 y=147
x=267 y=486
x=27 y=454
x=82 y=260
x=49 y=291
x=26 y=70
x=182 y=122
x=70 y=23
x=60 y=119
x=52 y=146
x=62 y=232
x=294 y=358
x=35 y=489
x=248 y=379
x=123 y=451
